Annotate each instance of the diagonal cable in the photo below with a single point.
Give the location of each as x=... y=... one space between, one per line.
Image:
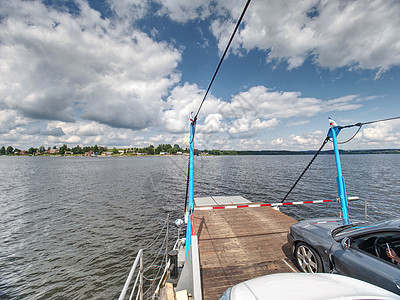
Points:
x=305 y=170
x=223 y=56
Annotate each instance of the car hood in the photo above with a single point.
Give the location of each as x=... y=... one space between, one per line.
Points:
x=306 y=286
x=320 y=224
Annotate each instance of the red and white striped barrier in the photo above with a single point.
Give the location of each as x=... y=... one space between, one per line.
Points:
x=270 y=204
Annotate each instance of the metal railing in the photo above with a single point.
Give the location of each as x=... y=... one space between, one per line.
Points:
x=139 y=277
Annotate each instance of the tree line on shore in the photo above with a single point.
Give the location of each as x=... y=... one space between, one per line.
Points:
x=64 y=149
x=98 y=150
x=168 y=149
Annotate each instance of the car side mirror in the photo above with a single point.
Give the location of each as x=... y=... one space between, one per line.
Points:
x=345 y=243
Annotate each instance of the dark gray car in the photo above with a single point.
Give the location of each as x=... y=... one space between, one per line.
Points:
x=357 y=250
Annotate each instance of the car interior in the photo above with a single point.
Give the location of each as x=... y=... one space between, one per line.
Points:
x=377 y=243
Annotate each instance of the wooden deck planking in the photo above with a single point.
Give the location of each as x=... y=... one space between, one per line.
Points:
x=239 y=244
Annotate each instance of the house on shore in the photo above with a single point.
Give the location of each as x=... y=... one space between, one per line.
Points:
x=53 y=151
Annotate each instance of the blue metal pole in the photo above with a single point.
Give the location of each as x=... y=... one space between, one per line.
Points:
x=190 y=192
x=333 y=132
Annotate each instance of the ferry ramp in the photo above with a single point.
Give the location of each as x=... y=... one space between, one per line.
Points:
x=237 y=242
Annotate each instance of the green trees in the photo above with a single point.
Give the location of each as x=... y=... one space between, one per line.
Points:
x=102 y=149
x=149 y=150
x=215 y=152
x=162 y=148
x=95 y=149
x=10 y=150
x=32 y=150
x=86 y=149
x=78 y=150
x=168 y=149
x=63 y=149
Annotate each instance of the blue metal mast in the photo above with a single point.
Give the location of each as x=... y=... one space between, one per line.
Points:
x=333 y=133
x=190 y=190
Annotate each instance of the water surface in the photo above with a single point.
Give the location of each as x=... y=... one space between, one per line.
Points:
x=71 y=226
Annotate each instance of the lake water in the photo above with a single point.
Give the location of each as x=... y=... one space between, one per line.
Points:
x=70 y=227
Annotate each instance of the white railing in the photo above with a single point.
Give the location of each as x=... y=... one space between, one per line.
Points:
x=139 y=277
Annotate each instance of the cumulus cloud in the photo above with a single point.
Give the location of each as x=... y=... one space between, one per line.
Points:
x=10 y=119
x=248 y=113
x=84 y=78
x=58 y=66
x=183 y=11
x=278 y=141
x=261 y=101
x=380 y=134
x=21 y=137
x=181 y=102
x=53 y=132
x=245 y=124
x=357 y=34
x=129 y=9
x=212 y=124
x=77 y=133
x=80 y=128
x=305 y=140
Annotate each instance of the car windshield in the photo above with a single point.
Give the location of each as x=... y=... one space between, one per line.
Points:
x=351 y=228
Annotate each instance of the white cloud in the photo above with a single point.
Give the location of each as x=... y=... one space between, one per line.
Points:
x=73 y=139
x=80 y=128
x=183 y=11
x=247 y=123
x=381 y=134
x=181 y=102
x=248 y=112
x=10 y=119
x=78 y=133
x=257 y=124
x=55 y=132
x=160 y=138
x=85 y=79
x=307 y=141
x=278 y=141
x=129 y=9
x=176 y=10
x=249 y=144
x=222 y=30
x=261 y=101
x=212 y=124
x=55 y=66
x=360 y=34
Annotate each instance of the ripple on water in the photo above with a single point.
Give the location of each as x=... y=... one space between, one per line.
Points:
x=71 y=227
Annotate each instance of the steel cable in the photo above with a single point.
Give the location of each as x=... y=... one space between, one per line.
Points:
x=370 y=122
x=223 y=56
x=305 y=170
x=327 y=139
x=360 y=125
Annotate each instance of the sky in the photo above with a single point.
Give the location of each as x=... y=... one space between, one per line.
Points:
x=128 y=73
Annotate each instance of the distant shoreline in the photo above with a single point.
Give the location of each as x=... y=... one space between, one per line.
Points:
x=311 y=152
x=229 y=153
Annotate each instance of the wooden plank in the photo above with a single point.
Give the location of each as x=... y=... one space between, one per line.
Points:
x=169 y=289
x=239 y=244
